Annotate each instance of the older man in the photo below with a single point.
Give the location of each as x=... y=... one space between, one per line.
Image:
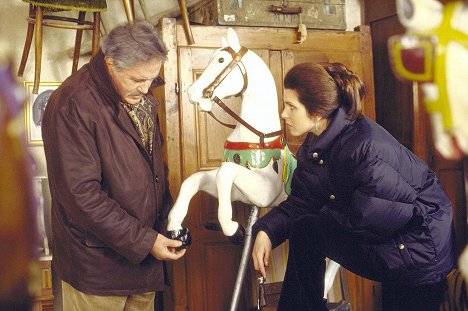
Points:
x=107 y=177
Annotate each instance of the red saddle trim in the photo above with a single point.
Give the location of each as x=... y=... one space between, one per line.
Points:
x=239 y=145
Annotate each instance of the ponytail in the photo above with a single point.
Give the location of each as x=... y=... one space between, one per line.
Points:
x=351 y=89
x=323 y=88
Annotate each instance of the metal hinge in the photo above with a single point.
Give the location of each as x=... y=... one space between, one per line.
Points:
x=176 y=88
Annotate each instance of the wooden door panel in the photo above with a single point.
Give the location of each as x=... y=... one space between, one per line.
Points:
x=452 y=177
x=394 y=97
x=223 y=257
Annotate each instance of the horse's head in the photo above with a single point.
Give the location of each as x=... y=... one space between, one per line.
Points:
x=434 y=52
x=224 y=76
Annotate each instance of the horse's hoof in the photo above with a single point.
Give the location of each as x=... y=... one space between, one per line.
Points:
x=182 y=235
x=238 y=237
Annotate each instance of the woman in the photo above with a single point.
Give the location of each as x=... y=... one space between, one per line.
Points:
x=358 y=197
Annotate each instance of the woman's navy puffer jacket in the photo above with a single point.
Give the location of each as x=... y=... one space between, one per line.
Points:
x=378 y=191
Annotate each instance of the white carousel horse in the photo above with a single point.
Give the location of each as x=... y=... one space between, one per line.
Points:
x=255 y=159
x=434 y=52
x=257 y=165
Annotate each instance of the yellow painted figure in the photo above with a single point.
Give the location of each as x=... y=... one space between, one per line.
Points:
x=434 y=52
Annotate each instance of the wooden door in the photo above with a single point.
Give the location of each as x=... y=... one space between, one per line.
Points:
x=205 y=278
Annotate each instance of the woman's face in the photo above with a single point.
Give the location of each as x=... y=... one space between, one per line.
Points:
x=298 y=120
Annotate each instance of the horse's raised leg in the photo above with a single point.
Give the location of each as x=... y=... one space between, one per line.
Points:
x=259 y=187
x=224 y=180
x=200 y=181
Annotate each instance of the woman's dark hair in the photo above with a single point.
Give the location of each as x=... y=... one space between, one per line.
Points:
x=324 y=87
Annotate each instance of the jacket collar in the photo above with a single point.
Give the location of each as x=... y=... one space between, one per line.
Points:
x=101 y=77
x=323 y=142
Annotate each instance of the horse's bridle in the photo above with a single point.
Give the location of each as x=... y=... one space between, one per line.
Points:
x=209 y=90
x=236 y=61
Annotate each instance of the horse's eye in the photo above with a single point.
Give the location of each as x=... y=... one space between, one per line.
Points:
x=221 y=60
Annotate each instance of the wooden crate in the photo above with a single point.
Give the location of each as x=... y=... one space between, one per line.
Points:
x=319 y=14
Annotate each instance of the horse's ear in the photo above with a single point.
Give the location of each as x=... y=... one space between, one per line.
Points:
x=224 y=43
x=233 y=40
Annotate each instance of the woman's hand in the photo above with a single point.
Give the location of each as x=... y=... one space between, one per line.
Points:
x=261 y=252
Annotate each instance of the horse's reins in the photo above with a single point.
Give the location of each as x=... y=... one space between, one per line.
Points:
x=209 y=90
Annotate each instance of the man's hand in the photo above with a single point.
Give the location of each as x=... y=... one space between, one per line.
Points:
x=165 y=249
x=261 y=252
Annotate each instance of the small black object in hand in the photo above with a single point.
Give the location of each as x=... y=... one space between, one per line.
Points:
x=182 y=235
